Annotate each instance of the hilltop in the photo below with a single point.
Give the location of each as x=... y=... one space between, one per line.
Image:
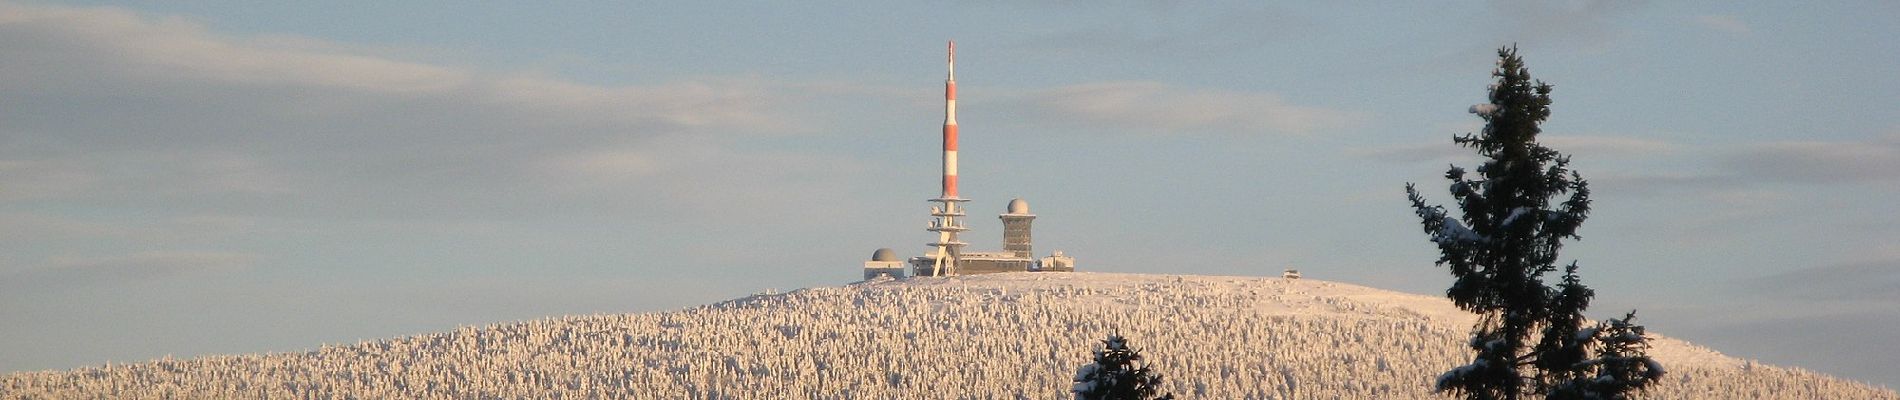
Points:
x=1015 y=335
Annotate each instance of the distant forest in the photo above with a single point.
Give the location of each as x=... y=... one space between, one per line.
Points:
x=1018 y=335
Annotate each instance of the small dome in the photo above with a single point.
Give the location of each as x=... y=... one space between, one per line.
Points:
x=1018 y=206
x=884 y=254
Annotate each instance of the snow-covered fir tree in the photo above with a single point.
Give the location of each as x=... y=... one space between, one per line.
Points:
x=1530 y=340
x=1118 y=373
x=1619 y=368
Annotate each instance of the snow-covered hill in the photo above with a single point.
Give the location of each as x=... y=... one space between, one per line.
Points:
x=1018 y=335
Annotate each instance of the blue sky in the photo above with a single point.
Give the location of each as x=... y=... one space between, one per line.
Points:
x=213 y=177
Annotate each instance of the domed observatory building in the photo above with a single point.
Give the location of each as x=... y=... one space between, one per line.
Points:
x=884 y=263
x=1016 y=255
x=1016 y=229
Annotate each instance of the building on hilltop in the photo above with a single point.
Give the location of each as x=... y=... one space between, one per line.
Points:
x=947 y=257
x=1017 y=254
x=884 y=263
x=1016 y=222
x=1056 y=262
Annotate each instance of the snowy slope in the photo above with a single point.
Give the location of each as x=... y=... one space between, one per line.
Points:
x=1015 y=335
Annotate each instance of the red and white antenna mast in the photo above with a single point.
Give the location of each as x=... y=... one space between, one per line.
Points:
x=950 y=127
x=948 y=213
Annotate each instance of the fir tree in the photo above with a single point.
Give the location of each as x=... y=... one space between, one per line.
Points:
x=1530 y=340
x=1117 y=374
x=1619 y=367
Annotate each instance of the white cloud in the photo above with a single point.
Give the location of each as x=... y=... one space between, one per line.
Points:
x=1153 y=107
x=1723 y=22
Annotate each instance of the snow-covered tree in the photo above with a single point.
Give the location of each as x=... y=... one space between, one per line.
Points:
x=1118 y=373
x=978 y=337
x=1619 y=366
x=1530 y=339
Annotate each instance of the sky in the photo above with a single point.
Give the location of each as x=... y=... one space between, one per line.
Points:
x=231 y=177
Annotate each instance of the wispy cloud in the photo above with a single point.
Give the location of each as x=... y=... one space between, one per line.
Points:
x=129 y=173
x=150 y=146
x=178 y=49
x=140 y=266
x=1158 y=108
x=1747 y=323
x=1872 y=160
x=165 y=76
x=1189 y=28
x=1606 y=146
x=1638 y=184
x=1837 y=302
x=1608 y=178
x=123 y=107
x=1586 y=24
x=1726 y=23
x=1865 y=281
x=1586 y=145
x=22 y=225
x=1413 y=153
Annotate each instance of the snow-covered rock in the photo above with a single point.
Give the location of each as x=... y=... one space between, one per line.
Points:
x=1014 y=335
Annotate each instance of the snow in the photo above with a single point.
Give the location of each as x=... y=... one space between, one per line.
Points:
x=1516 y=213
x=1584 y=334
x=1459 y=373
x=1655 y=367
x=1453 y=230
x=1014 y=335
